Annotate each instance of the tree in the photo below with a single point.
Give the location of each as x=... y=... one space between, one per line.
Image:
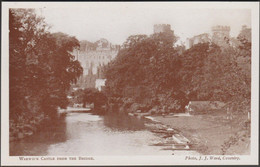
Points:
x=192 y=71
x=91 y=95
x=145 y=68
x=42 y=67
x=17 y=63
x=213 y=73
x=25 y=30
x=133 y=39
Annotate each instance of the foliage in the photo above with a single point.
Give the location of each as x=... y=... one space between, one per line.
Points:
x=195 y=68
x=41 y=65
x=90 y=95
x=219 y=74
x=144 y=68
x=150 y=69
x=133 y=39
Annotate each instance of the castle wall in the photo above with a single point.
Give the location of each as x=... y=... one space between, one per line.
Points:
x=220 y=36
x=92 y=61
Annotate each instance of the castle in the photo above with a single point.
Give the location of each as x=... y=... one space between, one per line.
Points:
x=159 y=28
x=92 y=57
x=245 y=33
x=220 y=36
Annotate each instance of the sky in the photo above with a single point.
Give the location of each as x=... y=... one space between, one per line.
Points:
x=116 y=22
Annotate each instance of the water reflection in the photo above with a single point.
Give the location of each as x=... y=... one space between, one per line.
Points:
x=37 y=144
x=122 y=122
x=87 y=134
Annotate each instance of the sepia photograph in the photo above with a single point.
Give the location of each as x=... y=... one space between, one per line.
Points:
x=105 y=83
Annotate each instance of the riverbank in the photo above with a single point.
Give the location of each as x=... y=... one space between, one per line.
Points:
x=28 y=124
x=212 y=134
x=25 y=126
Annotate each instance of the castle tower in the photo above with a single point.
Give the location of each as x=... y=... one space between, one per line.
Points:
x=159 y=28
x=220 y=35
x=245 y=33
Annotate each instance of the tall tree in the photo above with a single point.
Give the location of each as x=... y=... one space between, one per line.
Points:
x=41 y=64
x=144 y=68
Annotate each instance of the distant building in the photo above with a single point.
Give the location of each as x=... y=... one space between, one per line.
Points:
x=202 y=38
x=245 y=33
x=92 y=57
x=220 y=35
x=159 y=28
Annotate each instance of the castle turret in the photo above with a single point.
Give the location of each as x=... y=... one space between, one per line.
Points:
x=159 y=28
x=220 y=35
x=245 y=33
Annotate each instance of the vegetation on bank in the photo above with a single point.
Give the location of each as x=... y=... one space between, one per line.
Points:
x=151 y=74
x=41 y=71
x=89 y=96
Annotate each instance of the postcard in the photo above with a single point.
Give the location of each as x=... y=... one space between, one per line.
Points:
x=130 y=83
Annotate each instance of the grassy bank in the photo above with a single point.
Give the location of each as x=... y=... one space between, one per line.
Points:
x=213 y=133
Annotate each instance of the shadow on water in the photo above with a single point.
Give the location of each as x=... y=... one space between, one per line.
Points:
x=51 y=132
x=123 y=122
x=88 y=133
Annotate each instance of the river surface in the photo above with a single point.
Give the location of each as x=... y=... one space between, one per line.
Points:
x=87 y=134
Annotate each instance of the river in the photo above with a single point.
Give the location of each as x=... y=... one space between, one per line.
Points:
x=91 y=135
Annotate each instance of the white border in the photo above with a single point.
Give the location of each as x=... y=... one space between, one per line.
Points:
x=132 y=160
